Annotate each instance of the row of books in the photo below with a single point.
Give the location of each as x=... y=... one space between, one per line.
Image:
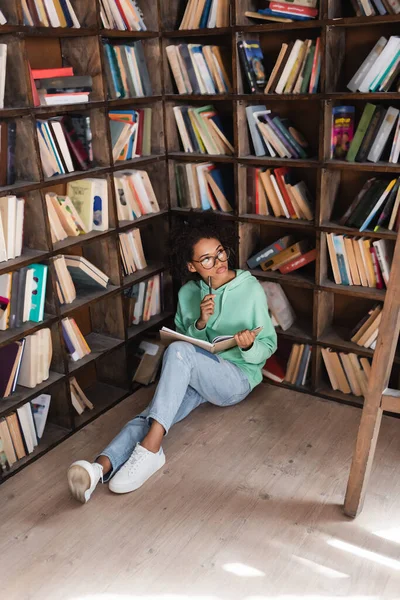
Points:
x=60 y=86
x=21 y=431
x=8 y=142
x=377 y=136
x=380 y=70
x=143 y=300
x=285 y=255
x=126 y=70
x=130 y=133
x=135 y=195
x=75 y=342
x=203 y=186
x=79 y=400
x=348 y=373
x=131 y=250
x=279 y=192
x=366 y=331
x=201 y=130
x=3 y=71
x=123 y=15
x=360 y=261
x=62 y=150
x=274 y=136
x=291 y=363
x=200 y=14
x=11 y=227
x=22 y=296
x=369 y=8
x=25 y=362
x=49 y=13
x=286 y=11
x=76 y=274
x=198 y=69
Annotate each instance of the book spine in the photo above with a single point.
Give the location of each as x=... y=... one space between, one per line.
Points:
x=300 y=262
x=377 y=270
x=293 y=9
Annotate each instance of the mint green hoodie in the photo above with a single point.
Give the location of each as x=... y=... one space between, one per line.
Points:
x=239 y=304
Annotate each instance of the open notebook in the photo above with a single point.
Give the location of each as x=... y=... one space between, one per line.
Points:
x=219 y=343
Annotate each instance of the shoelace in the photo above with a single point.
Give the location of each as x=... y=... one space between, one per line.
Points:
x=133 y=462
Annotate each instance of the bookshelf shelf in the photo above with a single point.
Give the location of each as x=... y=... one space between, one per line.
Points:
x=16 y=333
x=104 y=396
x=100 y=345
x=23 y=394
x=378 y=167
x=88 y=298
x=301 y=333
x=278 y=221
x=302 y=281
x=27 y=257
x=151 y=270
x=353 y=290
x=215 y=31
x=136 y=330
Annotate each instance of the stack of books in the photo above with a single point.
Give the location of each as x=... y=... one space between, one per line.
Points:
x=203 y=186
x=49 y=13
x=135 y=195
x=297 y=69
x=290 y=364
x=369 y=8
x=279 y=192
x=22 y=296
x=11 y=227
x=123 y=15
x=131 y=249
x=284 y=255
x=59 y=86
x=79 y=400
x=274 y=136
x=76 y=274
x=360 y=261
x=377 y=136
x=201 y=14
x=375 y=207
x=8 y=142
x=366 y=331
x=198 y=69
x=3 y=19
x=61 y=149
x=130 y=133
x=348 y=373
x=281 y=311
x=286 y=11
x=252 y=61
x=21 y=431
x=201 y=130
x=126 y=70
x=381 y=69
x=143 y=300
x=3 y=70
x=75 y=342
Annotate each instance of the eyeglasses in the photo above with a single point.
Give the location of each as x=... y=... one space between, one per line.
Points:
x=209 y=261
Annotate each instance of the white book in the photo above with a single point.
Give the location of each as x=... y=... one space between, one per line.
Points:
x=28 y=372
x=119 y=22
x=3 y=247
x=366 y=66
x=384 y=251
x=280 y=197
x=202 y=86
x=8 y=211
x=133 y=25
x=52 y=13
x=194 y=201
x=19 y=226
x=134 y=69
x=5 y=291
x=48 y=137
x=395 y=152
x=107 y=10
x=257 y=114
x=66 y=99
x=201 y=170
x=204 y=70
x=395 y=6
x=138 y=310
x=25 y=428
x=172 y=55
x=288 y=67
x=49 y=163
x=100 y=204
x=123 y=209
x=186 y=143
x=28 y=295
x=40 y=407
x=212 y=17
x=383 y=134
x=31 y=423
x=141 y=191
x=306 y=3
x=271 y=137
x=381 y=63
x=368 y=8
x=3 y=70
x=3 y=20
x=62 y=143
x=73 y=16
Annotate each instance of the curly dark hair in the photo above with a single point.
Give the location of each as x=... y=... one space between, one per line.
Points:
x=187 y=232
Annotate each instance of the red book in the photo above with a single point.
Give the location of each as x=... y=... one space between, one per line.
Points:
x=377 y=269
x=297 y=263
x=35 y=94
x=258 y=183
x=123 y=15
x=280 y=179
x=51 y=73
x=140 y=122
x=294 y=9
x=315 y=64
x=275 y=368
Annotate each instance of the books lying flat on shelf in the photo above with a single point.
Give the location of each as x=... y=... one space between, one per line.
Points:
x=3 y=70
x=8 y=142
x=347 y=373
x=204 y=186
x=381 y=69
x=25 y=291
x=61 y=148
x=297 y=69
x=369 y=8
x=75 y=342
x=198 y=69
x=283 y=255
x=36 y=359
x=274 y=136
x=218 y=344
x=130 y=133
x=11 y=227
x=279 y=192
x=123 y=15
x=201 y=130
x=49 y=13
x=135 y=195
x=75 y=273
x=281 y=310
x=131 y=249
x=366 y=331
x=79 y=400
x=60 y=86
x=252 y=61
x=143 y=300
x=286 y=11
x=126 y=71
x=201 y=14
x=360 y=261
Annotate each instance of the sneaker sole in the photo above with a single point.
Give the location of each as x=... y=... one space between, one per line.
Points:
x=126 y=488
x=79 y=482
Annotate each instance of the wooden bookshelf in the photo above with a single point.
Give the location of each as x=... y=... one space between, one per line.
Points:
x=326 y=312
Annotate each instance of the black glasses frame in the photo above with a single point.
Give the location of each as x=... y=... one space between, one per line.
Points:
x=215 y=258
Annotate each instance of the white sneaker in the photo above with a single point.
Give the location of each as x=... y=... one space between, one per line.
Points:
x=139 y=467
x=83 y=477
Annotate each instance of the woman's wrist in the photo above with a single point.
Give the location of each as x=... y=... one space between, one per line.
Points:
x=200 y=324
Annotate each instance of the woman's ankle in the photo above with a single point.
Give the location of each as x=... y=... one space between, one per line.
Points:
x=105 y=462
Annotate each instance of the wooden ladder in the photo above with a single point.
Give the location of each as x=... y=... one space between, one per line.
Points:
x=379 y=397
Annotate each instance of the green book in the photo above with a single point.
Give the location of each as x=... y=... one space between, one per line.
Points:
x=361 y=131
x=308 y=70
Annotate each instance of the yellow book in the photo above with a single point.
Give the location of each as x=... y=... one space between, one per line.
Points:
x=60 y=13
x=42 y=13
x=294 y=73
x=196 y=131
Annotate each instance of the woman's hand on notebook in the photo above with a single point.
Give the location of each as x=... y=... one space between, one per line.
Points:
x=245 y=339
x=206 y=310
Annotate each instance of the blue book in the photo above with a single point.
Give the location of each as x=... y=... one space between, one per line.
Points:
x=67 y=16
x=378 y=205
x=339 y=249
x=38 y=292
x=255 y=59
x=114 y=70
x=48 y=140
x=379 y=5
x=206 y=12
x=273 y=13
x=67 y=339
x=303 y=365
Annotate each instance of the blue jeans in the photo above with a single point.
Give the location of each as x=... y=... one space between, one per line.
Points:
x=190 y=376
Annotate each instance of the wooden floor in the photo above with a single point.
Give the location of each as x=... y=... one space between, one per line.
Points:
x=247 y=507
